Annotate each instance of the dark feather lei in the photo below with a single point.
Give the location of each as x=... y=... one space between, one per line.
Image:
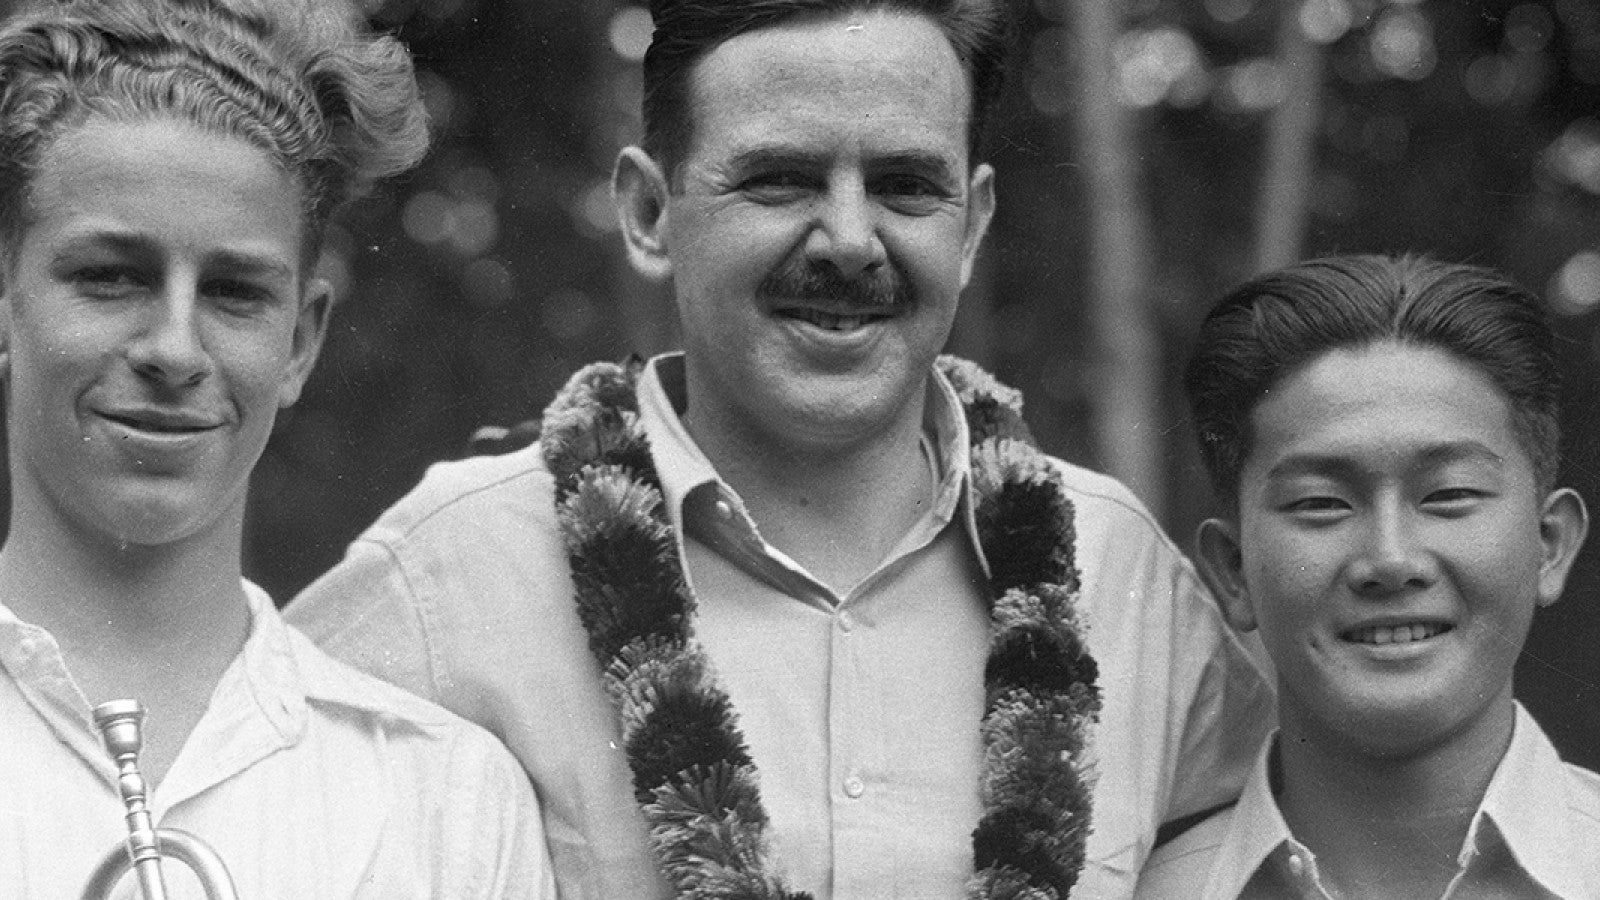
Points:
x=692 y=771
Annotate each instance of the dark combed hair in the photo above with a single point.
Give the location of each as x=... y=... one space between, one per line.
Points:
x=335 y=106
x=1280 y=322
x=686 y=30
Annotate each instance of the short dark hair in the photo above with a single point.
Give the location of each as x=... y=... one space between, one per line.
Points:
x=1276 y=324
x=687 y=30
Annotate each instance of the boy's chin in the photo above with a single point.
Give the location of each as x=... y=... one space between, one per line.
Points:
x=1404 y=729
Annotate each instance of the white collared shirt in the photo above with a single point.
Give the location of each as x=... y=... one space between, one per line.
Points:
x=309 y=779
x=1536 y=834
x=861 y=709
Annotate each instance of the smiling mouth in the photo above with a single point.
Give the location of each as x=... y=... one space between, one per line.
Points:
x=156 y=426
x=832 y=321
x=1396 y=634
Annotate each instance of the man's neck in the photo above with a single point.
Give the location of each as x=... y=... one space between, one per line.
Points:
x=1387 y=827
x=838 y=510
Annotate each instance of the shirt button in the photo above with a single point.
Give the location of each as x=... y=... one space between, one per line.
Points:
x=846 y=623
x=724 y=510
x=1297 y=865
x=854 y=787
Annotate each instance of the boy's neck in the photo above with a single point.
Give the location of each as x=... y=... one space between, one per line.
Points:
x=157 y=624
x=1382 y=825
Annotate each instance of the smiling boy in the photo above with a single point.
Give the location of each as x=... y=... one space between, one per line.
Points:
x=1385 y=433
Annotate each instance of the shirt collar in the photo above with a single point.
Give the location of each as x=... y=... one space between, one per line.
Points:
x=1520 y=810
x=685 y=471
x=1256 y=830
x=32 y=658
x=680 y=463
x=1526 y=801
x=260 y=705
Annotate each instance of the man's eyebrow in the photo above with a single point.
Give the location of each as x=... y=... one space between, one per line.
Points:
x=255 y=265
x=773 y=157
x=932 y=165
x=1343 y=465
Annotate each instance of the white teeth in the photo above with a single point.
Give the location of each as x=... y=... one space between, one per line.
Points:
x=1396 y=634
x=830 y=321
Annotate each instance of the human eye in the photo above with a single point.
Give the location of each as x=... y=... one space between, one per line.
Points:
x=1317 y=507
x=1454 y=500
x=1313 y=501
x=107 y=280
x=776 y=186
x=910 y=193
x=241 y=296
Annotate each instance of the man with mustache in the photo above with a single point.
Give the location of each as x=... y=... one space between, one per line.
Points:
x=799 y=610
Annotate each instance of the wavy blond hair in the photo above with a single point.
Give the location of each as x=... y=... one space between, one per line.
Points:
x=335 y=105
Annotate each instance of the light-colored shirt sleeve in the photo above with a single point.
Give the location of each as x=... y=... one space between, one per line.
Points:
x=1186 y=704
x=461 y=593
x=364 y=613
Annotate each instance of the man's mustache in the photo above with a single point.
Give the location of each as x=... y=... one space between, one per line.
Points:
x=878 y=287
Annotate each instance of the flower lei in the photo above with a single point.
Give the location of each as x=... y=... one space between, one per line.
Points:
x=692 y=771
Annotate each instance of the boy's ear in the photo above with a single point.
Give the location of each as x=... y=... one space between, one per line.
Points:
x=310 y=328
x=1563 y=524
x=1221 y=564
x=639 y=189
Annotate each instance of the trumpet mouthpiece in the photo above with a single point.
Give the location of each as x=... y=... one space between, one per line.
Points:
x=120 y=723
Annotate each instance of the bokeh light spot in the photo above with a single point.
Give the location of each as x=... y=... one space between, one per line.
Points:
x=594 y=211
x=1574 y=157
x=1253 y=86
x=1402 y=45
x=1151 y=63
x=630 y=32
x=427 y=218
x=1575 y=289
x=1229 y=11
x=1325 y=21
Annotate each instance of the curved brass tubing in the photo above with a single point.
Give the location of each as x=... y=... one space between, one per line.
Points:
x=120 y=723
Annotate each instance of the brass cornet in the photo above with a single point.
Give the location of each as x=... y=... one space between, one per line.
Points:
x=119 y=722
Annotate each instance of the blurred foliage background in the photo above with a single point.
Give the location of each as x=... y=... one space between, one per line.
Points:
x=1151 y=153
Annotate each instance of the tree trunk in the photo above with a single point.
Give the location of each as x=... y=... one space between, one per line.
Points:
x=1282 y=206
x=1125 y=389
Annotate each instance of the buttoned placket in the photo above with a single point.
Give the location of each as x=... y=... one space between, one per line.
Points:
x=855 y=763
x=854 y=743
x=1300 y=864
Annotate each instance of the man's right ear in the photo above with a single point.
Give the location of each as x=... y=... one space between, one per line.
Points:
x=639 y=189
x=1221 y=564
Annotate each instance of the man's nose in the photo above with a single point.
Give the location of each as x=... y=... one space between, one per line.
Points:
x=845 y=233
x=168 y=348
